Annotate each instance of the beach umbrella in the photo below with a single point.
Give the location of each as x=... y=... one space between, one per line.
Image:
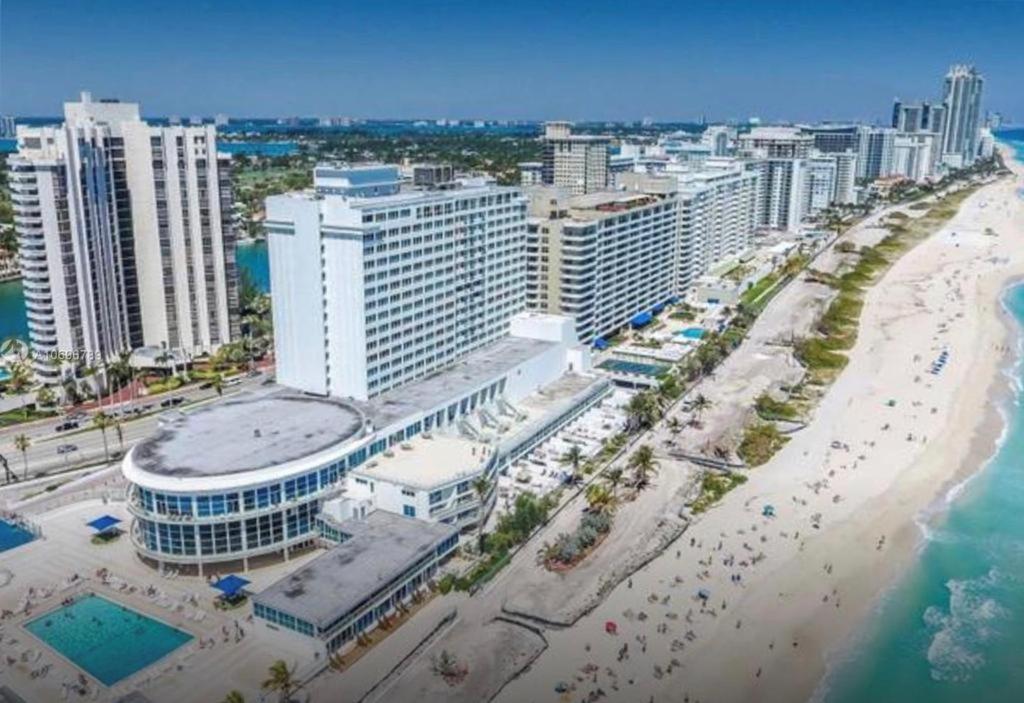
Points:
x=703 y=594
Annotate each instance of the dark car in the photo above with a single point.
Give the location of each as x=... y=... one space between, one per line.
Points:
x=67 y=425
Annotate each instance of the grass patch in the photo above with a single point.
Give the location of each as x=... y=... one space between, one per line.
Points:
x=713 y=487
x=769 y=408
x=760 y=442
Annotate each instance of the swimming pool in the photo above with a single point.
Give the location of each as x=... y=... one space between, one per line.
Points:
x=691 y=333
x=105 y=639
x=633 y=367
x=12 y=536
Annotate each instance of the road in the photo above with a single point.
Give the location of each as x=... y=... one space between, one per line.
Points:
x=43 y=457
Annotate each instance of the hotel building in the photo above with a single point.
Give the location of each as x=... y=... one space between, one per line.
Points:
x=125 y=237
x=600 y=258
x=875 y=152
x=376 y=286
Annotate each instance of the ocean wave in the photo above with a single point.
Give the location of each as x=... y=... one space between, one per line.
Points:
x=960 y=633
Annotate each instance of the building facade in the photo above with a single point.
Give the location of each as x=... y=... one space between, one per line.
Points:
x=875 y=152
x=578 y=163
x=962 y=98
x=125 y=236
x=376 y=285
x=600 y=258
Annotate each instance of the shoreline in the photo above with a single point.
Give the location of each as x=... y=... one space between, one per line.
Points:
x=867 y=487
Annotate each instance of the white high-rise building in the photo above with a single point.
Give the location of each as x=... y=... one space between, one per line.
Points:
x=846 y=177
x=962 y=99
x=778 y=155
x=914 y=155
x=818 y=183
x=8 y=128
x=376 y=285
x=718 y=216
x=125 y=237
x=719 y=138
x=576 y=162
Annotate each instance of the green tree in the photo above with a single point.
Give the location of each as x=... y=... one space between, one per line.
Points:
x=601 y=499
x=102 y=422
x=22 y=443
x=573 y=458
x=482 y=487
x=281 y=680
x=644 y=465
x=234 y=697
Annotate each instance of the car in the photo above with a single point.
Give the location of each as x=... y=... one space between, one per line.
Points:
x=171 y=402
x=67 y=448
x=67 y=425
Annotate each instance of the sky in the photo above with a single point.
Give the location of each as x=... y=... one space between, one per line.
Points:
x=565 y=59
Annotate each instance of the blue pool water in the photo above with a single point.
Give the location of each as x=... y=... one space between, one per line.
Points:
x=691 y=333
x=953 y=629
x=634 y=367
x=12 y=536
x=106 y=640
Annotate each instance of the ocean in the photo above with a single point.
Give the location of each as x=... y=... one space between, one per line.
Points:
x=952 y=629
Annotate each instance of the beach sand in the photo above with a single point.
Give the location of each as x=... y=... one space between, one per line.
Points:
x=888 y=441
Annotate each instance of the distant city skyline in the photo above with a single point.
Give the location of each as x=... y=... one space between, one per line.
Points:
x=664 y=61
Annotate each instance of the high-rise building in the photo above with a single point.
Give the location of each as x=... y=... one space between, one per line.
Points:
x=818 y=183
x=962 y=99
x=600 y=258
x=832 y=138
x=778 y=155
x=915 y=155
x=376 y=285
x=125 y=237
x=719 y=138
x=576 y=162
x=531 y=173
x=917 y=117
x=875 y=152
x=8 y=129
x=717 y=218
x=846 y=177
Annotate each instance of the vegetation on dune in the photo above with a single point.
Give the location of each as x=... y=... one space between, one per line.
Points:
x=771 y=409
x=713 y=486
x=760 y=442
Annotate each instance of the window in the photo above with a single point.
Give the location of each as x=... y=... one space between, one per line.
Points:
x=408 y=511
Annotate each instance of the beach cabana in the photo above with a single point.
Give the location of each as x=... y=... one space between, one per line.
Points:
x=232 y=589
x=105 y=528
x=768 y=511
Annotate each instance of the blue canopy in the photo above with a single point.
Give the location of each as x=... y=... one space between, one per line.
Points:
x=102 y=524
x=641 y=319
x=231 y=585
x=600 y=343
x=658 y=308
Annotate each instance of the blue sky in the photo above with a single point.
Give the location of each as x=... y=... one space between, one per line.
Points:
x=522 y=60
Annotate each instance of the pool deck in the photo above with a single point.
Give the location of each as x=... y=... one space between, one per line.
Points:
x=44 y=568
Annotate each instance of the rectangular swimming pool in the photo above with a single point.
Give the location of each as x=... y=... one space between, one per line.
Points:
x=634 y=367
x=107 y=640
x=12 y=536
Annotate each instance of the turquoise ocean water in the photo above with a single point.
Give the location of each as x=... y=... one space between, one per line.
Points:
x=952 y=629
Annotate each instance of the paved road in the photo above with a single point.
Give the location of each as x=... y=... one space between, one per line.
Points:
x=44 y=457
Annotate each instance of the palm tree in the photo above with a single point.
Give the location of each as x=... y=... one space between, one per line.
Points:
x=573 y=458
x=234 y=697
x=482 y=487
x=644 y=465
x=22 y=443
x=601 y=499
x=643 y=410
x=102 y=421
x=120 y=435
x=19 y=381
x=281 y=679
x=700 y=404
x=613 y=475
x=217 y=383
x=674 y=425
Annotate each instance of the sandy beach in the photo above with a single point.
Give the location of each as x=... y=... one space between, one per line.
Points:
x=888 y=442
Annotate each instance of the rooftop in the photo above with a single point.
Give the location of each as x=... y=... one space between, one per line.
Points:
x=473 y=370
x=427 y=461
x=250 y=431
x=381 y=547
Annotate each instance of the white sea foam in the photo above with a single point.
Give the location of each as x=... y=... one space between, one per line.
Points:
x=961 y=632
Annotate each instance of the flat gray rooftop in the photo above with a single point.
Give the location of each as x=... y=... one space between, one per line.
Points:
x=250 y=431
x=471 y=371
x=381 y=547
